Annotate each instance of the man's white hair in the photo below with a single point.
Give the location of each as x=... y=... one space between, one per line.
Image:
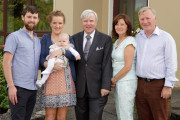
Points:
x=144 y=9
x=86 y=14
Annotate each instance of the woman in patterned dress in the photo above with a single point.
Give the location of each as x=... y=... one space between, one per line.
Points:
x=59 y=90
x=124 y=58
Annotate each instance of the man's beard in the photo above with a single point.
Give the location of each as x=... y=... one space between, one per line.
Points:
x=29 y=28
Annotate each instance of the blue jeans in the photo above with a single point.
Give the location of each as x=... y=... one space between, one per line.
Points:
x=26 y=102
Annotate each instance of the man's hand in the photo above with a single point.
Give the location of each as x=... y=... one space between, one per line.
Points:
x=166 y=92
x=12 y=91
x=104 y=92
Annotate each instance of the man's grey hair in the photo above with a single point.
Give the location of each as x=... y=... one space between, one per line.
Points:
x=144 y=9
x=86 y=14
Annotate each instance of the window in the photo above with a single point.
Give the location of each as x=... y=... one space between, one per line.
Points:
x=1 y=16
x=10 y=16
x=131 y=8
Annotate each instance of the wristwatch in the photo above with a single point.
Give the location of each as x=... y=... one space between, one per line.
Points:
x=115 y=79
x=63 y=53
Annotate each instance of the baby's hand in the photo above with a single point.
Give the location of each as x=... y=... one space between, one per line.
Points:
x=78 y=57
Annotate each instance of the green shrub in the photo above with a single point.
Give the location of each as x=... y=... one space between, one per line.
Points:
x=4 y=104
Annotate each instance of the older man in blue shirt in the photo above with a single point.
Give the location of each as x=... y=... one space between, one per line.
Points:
x=20 y=64
x=156 y=68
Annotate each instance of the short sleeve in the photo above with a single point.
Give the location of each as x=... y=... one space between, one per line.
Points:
x=11 y=44
x=130 y=40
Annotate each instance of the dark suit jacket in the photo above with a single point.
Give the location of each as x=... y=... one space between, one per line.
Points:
x=96 y=72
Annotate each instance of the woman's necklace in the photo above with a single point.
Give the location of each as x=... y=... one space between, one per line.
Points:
x=120 y=41
x=54 y=38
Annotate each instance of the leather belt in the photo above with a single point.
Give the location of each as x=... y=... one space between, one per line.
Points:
x=148 y=80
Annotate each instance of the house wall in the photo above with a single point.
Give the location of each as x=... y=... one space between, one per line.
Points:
x=168 y=16
x=80 y=6
x=168 y=19
x=67 y=8
x=73 y=9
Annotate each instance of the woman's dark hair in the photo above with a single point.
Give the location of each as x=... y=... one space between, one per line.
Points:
x=31 y=9
x=55 y=13
x=126 y=20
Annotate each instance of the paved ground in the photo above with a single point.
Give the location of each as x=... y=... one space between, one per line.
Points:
x=175 y=103
x=109 y=111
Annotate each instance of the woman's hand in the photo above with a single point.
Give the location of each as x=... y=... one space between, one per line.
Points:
x=56 y=54
x=58 y=66
x=113 y=82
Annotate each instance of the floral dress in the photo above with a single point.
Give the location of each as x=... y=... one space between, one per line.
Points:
x=59 y=89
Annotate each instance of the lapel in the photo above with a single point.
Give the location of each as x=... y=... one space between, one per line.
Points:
x=81 y=44
x=94 y=44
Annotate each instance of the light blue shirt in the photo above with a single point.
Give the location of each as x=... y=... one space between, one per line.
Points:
x=157 y=56
x=25 y=62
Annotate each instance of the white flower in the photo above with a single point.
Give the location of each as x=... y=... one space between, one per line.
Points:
x=138 y=30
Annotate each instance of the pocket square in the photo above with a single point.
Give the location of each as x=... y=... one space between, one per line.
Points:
x=99 y=48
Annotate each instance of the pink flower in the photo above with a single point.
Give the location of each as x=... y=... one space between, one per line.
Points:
x=2 y=47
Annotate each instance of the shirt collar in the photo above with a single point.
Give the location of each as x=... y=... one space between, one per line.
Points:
x=155 y=32
x=27 y=32
x=92 y=34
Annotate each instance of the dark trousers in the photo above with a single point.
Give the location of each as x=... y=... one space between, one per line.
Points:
x=150 y=105
x=26 y=102
x=90 y=108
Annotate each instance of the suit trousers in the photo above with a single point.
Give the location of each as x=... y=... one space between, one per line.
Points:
x=90 y=108
x=150 y=105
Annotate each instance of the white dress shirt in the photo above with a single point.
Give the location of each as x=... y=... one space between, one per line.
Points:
x=157 y=56
x=85 y=39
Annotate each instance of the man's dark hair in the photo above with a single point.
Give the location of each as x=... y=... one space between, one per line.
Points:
x=31 y=9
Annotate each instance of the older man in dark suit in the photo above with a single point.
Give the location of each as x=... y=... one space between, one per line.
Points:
x=94 y=70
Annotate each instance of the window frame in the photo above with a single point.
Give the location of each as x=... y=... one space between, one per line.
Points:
x=4 y=32
x=116 y=7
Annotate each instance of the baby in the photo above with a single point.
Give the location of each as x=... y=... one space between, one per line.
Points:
x=63 y=44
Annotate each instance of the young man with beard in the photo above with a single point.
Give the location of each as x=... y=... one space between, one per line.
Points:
x=20 y=64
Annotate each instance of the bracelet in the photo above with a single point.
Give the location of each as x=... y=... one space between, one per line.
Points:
x=115 y=79
x=63 y=52
x=10 y=85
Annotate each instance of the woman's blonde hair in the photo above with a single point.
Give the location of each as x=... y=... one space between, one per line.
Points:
x=55 y=13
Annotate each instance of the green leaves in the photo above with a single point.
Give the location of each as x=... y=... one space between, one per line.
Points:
x=4 y=104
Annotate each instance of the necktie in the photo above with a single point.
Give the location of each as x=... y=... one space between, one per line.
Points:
x=87 y=46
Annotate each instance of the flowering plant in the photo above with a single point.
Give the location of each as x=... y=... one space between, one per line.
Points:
x=136 y=31
x=2 y=49
x=2 y=46
x=4 y=102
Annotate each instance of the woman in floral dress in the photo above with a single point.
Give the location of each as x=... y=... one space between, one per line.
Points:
x=59 y=90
